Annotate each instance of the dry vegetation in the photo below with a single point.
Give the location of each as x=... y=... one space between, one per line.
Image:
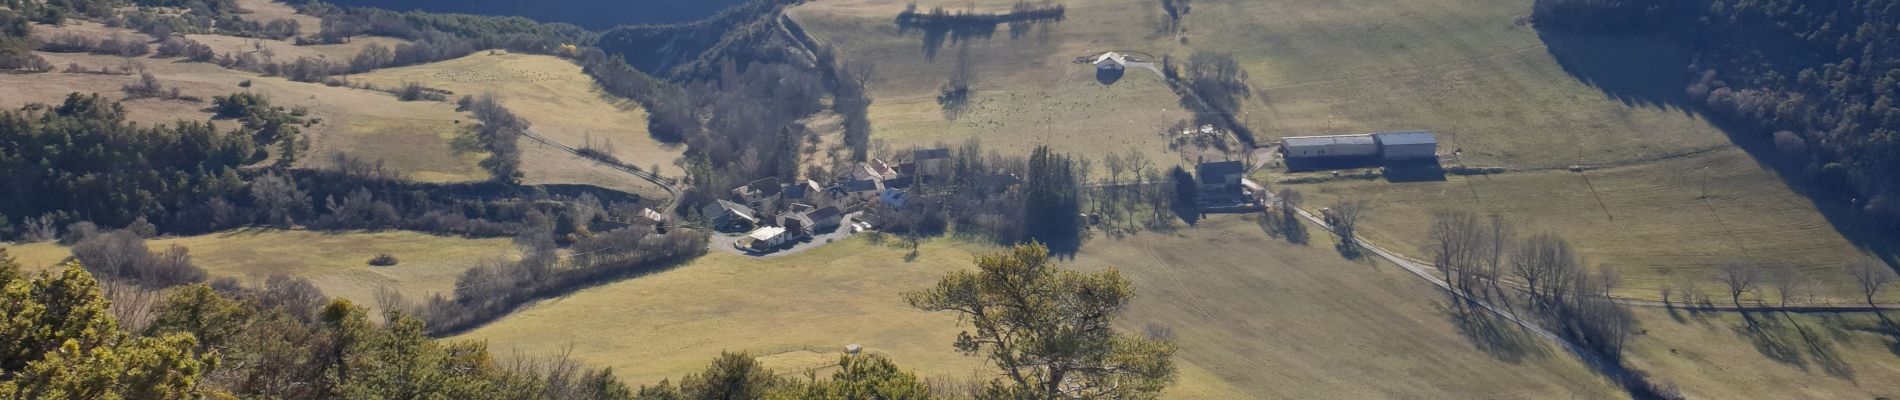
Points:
x=1653 y=223
x=1238 y=302
x=1026 y=90
x=563 y=103
x=336 y=262
x=1782 y=356
x=412 y=137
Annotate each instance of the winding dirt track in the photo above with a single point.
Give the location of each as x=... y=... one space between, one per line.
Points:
x=670 y=189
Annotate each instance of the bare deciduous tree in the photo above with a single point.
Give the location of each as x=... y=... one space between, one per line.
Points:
x=1786 y=284
x=1871 y=277
x=1345 y=216
x=1540 y=259
x=1740 y=278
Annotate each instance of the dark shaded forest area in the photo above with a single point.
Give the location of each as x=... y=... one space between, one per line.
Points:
x=1807 y=85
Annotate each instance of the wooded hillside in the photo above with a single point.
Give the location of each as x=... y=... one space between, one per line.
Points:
x=1816 y=78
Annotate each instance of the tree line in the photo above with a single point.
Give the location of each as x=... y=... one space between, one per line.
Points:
x=1812 y=78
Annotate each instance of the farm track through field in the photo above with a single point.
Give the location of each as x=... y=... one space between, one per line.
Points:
x=671 y=190
x=1404 y=70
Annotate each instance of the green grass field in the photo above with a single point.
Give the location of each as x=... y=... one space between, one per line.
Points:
x=336 y=262
x=1254 y=317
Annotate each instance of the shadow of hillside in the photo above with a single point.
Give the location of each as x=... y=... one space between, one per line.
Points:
x=1653 y=71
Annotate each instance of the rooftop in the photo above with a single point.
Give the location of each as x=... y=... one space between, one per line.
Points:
x=1404 y=138
x=766 y=233
x=824 y=213
x=930 y=154
x=1315 y=141
x=1220 y=168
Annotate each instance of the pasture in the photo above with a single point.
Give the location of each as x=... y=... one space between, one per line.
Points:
x=1026 y=89
x=1254 y=317
x=1656 y=224
x=336 y=262
x=411 y=137
x=1769 y=355
x=553 y=94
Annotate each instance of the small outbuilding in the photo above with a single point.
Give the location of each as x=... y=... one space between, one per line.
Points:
x=1111 y=61
x=1407 y=146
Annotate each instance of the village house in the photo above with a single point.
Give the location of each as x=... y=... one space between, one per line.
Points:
x=758 y=191
x=825 y=219
x=801 y=191
x=796 y=223
x=768 y=237
x=861 y=190
x=730 y=216
x=1221 y=176
x=930 y=162
x=893 y=197
x=882 y=170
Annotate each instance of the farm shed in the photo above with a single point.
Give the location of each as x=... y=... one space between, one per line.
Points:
x=1310 y=147
x=1412 y=145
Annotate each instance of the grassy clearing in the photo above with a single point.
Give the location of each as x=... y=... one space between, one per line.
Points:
x=412 y=137
x=1484 y=80
x=37 y=256
x=791 y=310
x=1273 y=319
x=267 y=11
x=1654 y=224
x=561 y=101
x=1808 y=356
x=1255 y=318
x=271 y=50
x=1027 y=89
x=335 y=262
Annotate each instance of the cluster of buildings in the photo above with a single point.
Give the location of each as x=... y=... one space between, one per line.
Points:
x=775 y=213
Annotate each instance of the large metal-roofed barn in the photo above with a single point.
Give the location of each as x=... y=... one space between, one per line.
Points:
x=1405 y=146
x=1386 y=146
x=1307 y=147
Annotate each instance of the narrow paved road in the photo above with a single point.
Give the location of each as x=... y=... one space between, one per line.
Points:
x=670 y=189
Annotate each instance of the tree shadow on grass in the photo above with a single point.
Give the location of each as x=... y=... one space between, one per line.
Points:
x=1652 y=71
x=1786 y=340
x=1772 y=340
x=1498 y=337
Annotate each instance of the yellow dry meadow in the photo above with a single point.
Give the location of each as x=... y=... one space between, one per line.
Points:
x=1676 y=198
x=1254 y=318
x=553 y=94
x=337 y=262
